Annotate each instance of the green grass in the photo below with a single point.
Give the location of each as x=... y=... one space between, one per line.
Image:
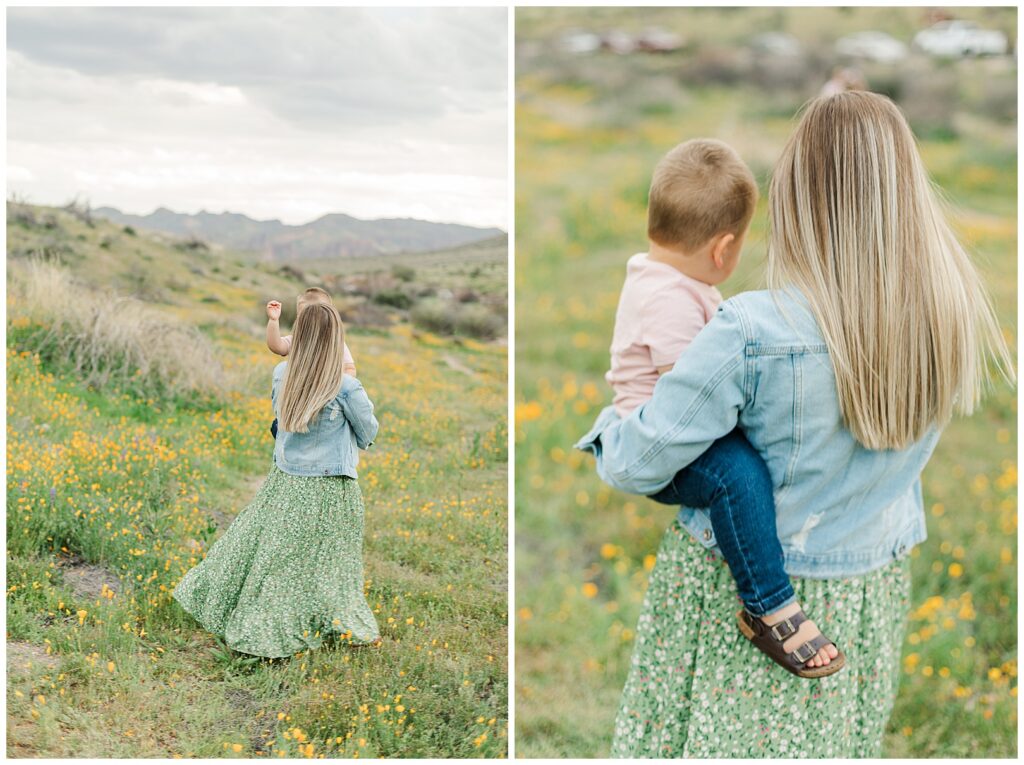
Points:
x=583 y=551
x=138 y=489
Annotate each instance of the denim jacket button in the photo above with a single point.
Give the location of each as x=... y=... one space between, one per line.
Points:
x=707 y=535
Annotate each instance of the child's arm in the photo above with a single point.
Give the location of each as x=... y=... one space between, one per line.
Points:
x=348 y=364
x=274 y=342
x=358 y=410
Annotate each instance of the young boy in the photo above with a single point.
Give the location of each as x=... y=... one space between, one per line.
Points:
x=282 y=345
x=701 y=202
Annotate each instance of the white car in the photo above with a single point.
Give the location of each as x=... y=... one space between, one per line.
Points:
x=776 y=44
x=873 y=46
x=960 y=38
x=577 y=41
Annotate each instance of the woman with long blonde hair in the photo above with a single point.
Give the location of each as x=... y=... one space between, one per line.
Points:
x=288 y=572
x=874 y=331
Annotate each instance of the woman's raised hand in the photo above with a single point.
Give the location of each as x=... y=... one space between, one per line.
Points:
x=274 y=309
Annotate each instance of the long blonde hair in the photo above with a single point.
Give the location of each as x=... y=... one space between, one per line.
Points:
x=856 y=227
x=314 y=372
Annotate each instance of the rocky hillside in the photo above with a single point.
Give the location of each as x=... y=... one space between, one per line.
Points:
x=331 y=236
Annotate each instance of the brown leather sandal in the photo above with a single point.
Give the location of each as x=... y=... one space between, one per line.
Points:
x=769 y=639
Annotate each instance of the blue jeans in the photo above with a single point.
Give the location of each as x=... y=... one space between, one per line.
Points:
x=731 y=480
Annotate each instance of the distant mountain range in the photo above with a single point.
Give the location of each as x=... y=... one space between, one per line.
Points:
x=331 y=236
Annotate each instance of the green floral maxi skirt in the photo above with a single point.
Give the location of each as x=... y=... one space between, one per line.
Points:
x=288 y=571
x=698 y=688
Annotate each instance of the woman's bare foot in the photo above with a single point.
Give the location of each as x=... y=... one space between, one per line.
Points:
x=808 y=630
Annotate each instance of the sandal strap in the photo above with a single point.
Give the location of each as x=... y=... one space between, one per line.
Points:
x=808 y=650
x=787 y=627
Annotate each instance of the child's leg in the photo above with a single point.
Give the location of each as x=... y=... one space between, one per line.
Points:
x=731 y=480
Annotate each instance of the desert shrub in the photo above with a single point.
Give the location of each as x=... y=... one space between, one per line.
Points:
x=996 y=97
x=129 y=231
x=403 y=273
x=395 y=298
x=450 y=318
x=50 y=249
x=434 y=316
x=105 y=339
x=929 y=99
x=193 y=244
x=292 y=273
x=139 y=282
x=476 y=321
x=21 y=213
x=716 y=66
x=80 y=210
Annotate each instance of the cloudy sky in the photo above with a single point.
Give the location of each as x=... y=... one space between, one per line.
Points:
x=273 y=112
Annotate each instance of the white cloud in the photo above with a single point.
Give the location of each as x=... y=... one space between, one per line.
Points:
x=137 y=112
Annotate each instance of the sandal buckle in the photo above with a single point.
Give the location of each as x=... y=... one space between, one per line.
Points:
x=804 y=659
x=775 y=629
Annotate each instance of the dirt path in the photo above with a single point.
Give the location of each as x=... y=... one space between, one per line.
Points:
x=458 y=366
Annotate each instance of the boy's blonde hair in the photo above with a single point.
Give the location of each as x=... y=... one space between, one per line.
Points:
x=314 y=371
x=856 y=227
x=699 y=189
x=315 y=295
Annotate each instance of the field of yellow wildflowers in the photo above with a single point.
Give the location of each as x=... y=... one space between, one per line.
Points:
x=588 y=132
x=112 y=496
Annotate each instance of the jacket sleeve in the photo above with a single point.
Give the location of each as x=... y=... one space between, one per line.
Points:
x=693 y=405
x=358 y=410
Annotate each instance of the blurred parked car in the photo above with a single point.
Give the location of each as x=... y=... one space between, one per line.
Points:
x=577 y=41
x=619 y=42
x=776 y=44
x=657 y=40
x=873 y=46
x=960 y=38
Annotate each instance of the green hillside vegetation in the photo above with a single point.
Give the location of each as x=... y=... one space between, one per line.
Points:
x=138 y=414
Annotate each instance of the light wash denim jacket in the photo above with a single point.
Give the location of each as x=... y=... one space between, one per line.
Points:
x=761 y=362
x=337 y=432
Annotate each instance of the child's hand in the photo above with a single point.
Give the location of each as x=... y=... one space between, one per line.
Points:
x=274 y=310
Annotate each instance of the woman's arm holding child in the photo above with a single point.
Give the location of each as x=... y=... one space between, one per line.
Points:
x=358 y=410
x=693 y=405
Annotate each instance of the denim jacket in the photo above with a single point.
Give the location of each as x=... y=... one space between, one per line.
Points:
x=330 y=446
x=762 y=363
